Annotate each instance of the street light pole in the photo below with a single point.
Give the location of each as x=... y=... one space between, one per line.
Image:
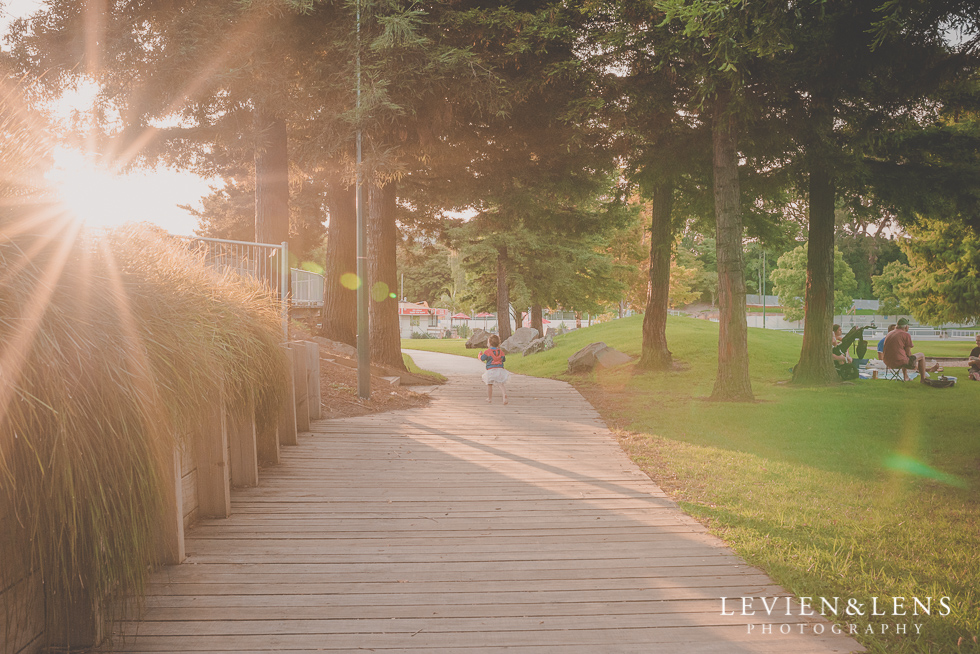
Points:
x=763 y=289
x=363 y=344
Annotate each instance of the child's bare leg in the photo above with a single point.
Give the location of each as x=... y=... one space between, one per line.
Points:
x=503 y=391
x=489 y=393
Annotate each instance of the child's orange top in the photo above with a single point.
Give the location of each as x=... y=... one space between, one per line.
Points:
x=494 y=357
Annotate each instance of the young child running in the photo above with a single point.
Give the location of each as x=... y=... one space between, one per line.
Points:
x=494 y=357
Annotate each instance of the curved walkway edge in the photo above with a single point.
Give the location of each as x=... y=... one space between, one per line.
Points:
x=463 y=527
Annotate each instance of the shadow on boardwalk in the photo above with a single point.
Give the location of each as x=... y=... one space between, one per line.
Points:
x=461 y=527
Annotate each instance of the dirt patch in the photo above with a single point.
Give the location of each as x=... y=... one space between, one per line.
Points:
x=338 y=384
x=338 y=388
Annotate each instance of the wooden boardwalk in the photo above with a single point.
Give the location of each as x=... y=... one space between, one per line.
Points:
x=460 y=528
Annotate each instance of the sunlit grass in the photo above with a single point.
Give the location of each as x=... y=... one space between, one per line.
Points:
x=861 y=490
x=413 y=368
x=113 y=350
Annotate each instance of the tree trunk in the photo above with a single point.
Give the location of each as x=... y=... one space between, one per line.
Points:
x=383 y=329
x=503 y=296
x=578 y=320
x=340 y=299
x=271 y=180
x=271 y=188
x=816 y=366
x=654 y=354
x=537 y=318
x=732 y=382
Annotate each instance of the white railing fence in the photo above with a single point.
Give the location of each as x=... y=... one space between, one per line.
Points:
x=264 y=262
x=307 y=289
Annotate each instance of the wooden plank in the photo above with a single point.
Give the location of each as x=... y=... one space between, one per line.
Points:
x=213 y=468
x=21 y=615
x=189 y=492
x=338 y=627
x=266 y=437
x=301 y=386
x=710 y=581
x=732 y=637
x=313 y=378
x=268 y=610
x=242 y=447
x=775 y=646
x=523 y=598
x=169 y=529
x=287 y=414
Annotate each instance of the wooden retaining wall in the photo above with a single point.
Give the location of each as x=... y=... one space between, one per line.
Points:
x=227 y=451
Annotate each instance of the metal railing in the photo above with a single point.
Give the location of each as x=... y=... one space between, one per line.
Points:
x=307 y=289
x=263 y=262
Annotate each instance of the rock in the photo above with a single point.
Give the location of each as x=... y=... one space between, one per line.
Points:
x=478 y=339
x=521 y=338
x=611 y=357
x=539 y=345
x=585 y=360
x=596 y=354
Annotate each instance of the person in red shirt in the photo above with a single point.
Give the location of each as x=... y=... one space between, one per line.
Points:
x=494 y=357
x=897 y=352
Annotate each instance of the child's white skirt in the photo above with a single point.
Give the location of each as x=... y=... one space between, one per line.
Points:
x=496 y=376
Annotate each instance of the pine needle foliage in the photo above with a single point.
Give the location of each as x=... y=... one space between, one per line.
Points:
x=113 y=351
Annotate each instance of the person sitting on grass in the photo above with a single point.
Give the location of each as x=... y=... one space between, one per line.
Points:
x=881 y=343
x=897 y=352
x=974 y=361
x=847 y=368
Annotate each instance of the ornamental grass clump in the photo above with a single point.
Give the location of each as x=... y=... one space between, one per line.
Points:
x=113 y=350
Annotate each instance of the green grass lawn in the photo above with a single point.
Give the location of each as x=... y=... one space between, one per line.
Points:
x=413 y=368
x=855 y=491
x=944 y=348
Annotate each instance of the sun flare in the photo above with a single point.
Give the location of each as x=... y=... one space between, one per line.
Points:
x=94 y=195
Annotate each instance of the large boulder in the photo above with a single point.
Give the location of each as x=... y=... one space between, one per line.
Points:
x=539 y=345
x=596 y=354
x=611 y=357
x=477 y=340
x=519 y=341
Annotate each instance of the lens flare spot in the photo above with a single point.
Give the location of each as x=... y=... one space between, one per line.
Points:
x=908 y=465
x=379 y=292
x=350 y=281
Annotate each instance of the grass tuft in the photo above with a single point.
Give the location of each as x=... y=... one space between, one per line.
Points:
x=114 y=349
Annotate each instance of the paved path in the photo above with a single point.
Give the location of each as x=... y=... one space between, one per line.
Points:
x=461 y=528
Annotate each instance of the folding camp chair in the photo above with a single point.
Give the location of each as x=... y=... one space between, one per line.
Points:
x=896 y=373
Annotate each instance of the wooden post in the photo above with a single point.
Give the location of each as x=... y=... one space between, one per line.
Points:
x=21 y=591
x=73 y=620
x=302 y=387
x=313 y=377
x=266 y=437
x=242 y=448
x=287 y=417
x=169 y=530
x=213 y=470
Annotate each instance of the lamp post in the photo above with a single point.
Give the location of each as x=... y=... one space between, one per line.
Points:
x=763 y=284
x=363 y=344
